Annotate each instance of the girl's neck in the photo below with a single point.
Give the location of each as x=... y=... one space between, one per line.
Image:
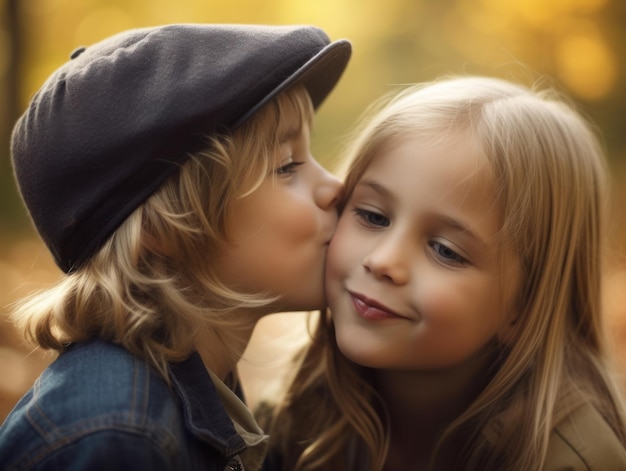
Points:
x=422 y=404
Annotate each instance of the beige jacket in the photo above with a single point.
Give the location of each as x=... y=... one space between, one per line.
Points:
x=583 y=441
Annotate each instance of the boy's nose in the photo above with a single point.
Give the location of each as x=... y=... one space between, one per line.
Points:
x=328 y=192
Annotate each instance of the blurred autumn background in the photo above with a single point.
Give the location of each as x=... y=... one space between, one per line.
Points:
x=579 y=46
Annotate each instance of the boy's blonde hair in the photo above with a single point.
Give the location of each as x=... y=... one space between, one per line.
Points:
x=152 y=284
x=551 y=180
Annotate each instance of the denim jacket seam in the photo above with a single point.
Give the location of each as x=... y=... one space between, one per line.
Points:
x=167 y=445
x=139 y=371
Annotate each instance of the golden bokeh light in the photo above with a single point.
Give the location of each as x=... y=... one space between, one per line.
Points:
x=543 y=12
x=101 y=23
x=586 y=65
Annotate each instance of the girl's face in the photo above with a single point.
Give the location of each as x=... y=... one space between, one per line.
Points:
x=279 y=233
x=415 y=278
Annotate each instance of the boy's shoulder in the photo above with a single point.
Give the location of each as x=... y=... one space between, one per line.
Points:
x=93 y=391
x=583 y=440
x=97 y=379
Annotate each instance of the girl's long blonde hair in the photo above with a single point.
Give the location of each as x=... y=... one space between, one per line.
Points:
x=552 y=182
x=152 y=284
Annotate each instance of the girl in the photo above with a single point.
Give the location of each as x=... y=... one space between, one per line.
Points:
x=464 y=283
x=166 y=168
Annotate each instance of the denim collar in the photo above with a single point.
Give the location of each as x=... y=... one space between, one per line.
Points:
x=205 y=416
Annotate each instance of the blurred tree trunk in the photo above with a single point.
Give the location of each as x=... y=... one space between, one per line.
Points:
x=10 y=207
x=13 y=28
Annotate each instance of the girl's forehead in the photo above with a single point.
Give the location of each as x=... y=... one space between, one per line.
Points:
x=459 y=149
x=450 y=173
x=429 y=137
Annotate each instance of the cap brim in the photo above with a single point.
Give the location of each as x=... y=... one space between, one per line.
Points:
x=319 y=75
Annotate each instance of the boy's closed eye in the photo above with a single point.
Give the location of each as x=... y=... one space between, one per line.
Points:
x=288 y=168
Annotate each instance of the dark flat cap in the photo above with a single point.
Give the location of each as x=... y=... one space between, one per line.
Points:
x=109 y=126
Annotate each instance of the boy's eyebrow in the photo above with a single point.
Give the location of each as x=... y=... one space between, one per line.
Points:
x=289 y=133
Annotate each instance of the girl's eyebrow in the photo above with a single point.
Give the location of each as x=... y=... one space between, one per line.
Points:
x=460 y=227
x=449 y=221
x=376 y=187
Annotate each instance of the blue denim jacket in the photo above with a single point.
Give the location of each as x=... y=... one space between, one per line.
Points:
x=98 y=407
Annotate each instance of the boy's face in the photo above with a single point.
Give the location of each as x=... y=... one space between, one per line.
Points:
x=415 y=276
x=279 y=234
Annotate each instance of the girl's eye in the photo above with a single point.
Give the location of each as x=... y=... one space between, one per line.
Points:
x=372 y=218
x=447 y=254
x=288 y=168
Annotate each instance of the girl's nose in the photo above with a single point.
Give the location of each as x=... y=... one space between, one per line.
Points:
x=388 y=262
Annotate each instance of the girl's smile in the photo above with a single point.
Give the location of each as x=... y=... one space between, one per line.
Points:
x=372 y=310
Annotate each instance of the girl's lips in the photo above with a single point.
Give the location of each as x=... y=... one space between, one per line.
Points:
x=372 y=310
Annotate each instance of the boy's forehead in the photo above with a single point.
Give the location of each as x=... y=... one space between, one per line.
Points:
x=290 y=123
x=289 y=131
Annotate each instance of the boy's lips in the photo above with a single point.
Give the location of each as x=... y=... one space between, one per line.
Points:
x=371 y=309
